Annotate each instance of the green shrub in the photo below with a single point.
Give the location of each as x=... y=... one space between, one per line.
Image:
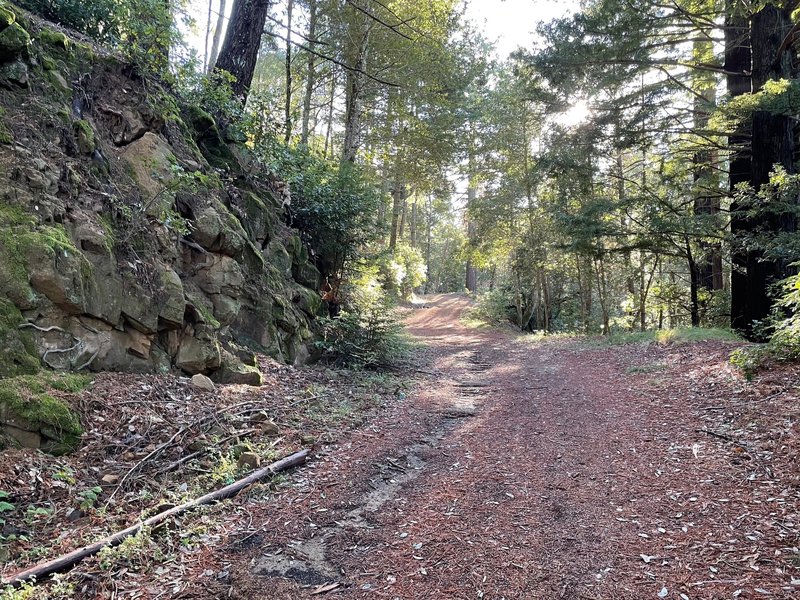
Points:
x=494 y=307
x=366 y=333
x=140 y=29
x=403 y=270
x=334 y=205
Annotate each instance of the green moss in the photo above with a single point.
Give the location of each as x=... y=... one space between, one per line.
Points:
x=85 y=136
x=199 y=119
x=48 y=64
x=110 y=234
x=14 y=223
x=55 y=39
x=18 y=357
x=22 y=241
x=70 y=382
x=14 y=41
x=29 y=398
x=7 y=17
x=208 y=317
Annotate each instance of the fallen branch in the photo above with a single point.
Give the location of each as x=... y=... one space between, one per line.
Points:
x=68 y=560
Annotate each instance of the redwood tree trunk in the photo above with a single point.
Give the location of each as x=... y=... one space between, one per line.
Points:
x=737 y=65
x=242 y=42
x=772 y=143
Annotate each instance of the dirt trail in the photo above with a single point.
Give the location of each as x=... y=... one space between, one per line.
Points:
x=532 y=471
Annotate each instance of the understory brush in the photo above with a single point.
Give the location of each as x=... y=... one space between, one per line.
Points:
x=784 y=345
x=366 y=333
x=677 y=335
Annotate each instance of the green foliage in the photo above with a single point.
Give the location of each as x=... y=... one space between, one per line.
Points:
x=784 y=344
x=143 y=30
x=135 y=552
x=5 y=505
x=403 y=270
x=494 y=307
x=751 y=359
x=787 y=334
x=366 y=333
x=88 y=498
x=333 y=204
x=27 y=591
x=675 y=336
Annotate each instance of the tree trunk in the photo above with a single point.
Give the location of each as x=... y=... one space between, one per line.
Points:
x=471 y=279
x=212 y=57
x=600 y=271
x=355 y=92
x=772 y=143
x=398 y=197
x=401 y=232
x=329 y=128
x=694 y=285
x=706 y=202
x=311 y=74
x=208 y=35
x=239 y=53
x=412 y=224
x=428 y=240
x=737 y=65
x=287 y=109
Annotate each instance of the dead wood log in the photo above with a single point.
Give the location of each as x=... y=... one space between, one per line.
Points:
x=41 y=570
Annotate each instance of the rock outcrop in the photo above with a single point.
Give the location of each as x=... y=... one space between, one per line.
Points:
x=134 y=234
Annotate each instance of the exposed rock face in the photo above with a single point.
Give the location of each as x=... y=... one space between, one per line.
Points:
x=134 y=235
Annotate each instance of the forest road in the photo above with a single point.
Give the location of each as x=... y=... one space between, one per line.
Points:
x=518 y=470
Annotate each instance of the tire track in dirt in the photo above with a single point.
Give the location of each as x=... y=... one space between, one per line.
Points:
x=515 y=472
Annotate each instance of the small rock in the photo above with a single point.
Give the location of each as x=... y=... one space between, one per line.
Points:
x=307 y=440
x=259 y=417
x=197 y=444
x=203 y=383
x=110 y=479
x=76 y=514
x=269 y=428
x=251 y=459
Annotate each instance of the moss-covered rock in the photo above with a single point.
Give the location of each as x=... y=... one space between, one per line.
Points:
x=15 y=72
x=18 y=356
x=40 y=259
x=55 y=39
x=84 y=135
x=14 y=42
x=7 y=17
x=307 y=275
x=232 y=370
x=31 y=414
x=308 y=300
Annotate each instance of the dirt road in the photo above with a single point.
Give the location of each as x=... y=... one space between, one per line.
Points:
x=555 y=470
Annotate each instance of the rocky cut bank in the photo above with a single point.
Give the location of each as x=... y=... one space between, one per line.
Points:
x=135 y=234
